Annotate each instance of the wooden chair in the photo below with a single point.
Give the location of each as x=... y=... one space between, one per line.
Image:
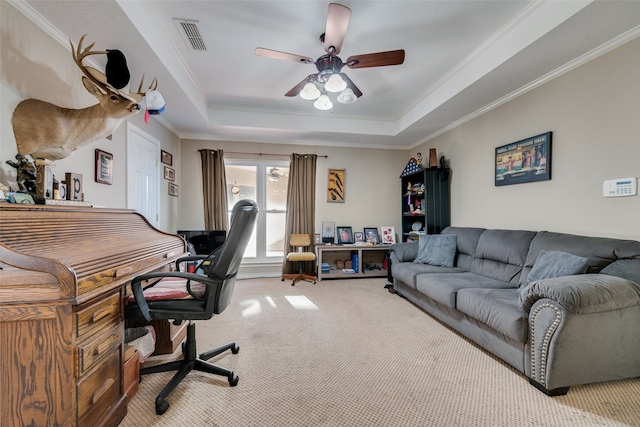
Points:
x=300 y=242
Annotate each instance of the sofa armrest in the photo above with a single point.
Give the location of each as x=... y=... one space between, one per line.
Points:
x=582 y=293
x=404 y=252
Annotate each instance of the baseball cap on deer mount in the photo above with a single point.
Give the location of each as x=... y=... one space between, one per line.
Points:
x=155 y=104
x=123 y=92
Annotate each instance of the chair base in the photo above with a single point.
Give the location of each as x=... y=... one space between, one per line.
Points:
x=298 y=277
x=191 y=361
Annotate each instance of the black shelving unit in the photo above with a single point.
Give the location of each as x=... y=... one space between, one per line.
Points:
x=425 y=202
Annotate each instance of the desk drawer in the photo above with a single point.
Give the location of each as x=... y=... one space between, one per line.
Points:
x=99 y=390
x=94 y=317
x=96 y=348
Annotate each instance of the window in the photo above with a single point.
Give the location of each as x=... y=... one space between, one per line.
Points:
x=266 y=183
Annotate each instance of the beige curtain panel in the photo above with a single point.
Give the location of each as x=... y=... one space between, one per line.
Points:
x=214 y=188
x=301 y=204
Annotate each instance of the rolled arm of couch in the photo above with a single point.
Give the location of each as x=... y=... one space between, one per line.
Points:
x=404 y=252
x=583 y=293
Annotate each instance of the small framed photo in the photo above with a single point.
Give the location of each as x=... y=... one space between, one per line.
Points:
x=371 y=236
x=169 y=173
x=173 y=189
x=345 y=235
x=166 y=158
x=358 y=237
x=388 y=235
x=104 y=167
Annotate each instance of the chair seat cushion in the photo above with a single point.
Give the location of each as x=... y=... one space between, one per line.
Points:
x=301 y=256
x=171 y=288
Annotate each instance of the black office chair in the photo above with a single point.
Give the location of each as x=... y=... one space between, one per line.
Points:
x=207 y=295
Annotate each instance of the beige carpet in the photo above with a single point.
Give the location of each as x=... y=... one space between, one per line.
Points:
x=349 y=353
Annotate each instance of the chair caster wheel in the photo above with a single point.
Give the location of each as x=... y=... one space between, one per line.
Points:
x=233 y=379
x=235 y=350
x=162 y=407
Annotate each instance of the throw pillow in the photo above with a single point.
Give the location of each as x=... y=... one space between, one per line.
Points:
x=551 y=264
x=437 y=249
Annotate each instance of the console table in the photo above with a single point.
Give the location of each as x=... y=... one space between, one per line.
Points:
x=371 y=260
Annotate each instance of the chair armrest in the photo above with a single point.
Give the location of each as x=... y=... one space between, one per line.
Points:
x=582 y=293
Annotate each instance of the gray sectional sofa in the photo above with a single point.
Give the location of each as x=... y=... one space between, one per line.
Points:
x=509 y=292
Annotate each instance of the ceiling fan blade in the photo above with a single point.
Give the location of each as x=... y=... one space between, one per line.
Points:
x=379 y=59
x=337 y=23
x=298 y=88
x=269 y=53
x=350 y=84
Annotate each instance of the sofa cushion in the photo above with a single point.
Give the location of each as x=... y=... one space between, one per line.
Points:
x=467 y=241
x=626 y=268
x=443 y=287
x=406 y=251
x=437 y=249
x=501 y=254
x=407 y=272
x=497 y=308
x=600 y=251
x=556 y=264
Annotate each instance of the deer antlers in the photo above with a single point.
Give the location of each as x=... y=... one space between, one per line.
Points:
x=100 y=79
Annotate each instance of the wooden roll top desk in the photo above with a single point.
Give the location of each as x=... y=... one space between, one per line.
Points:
x=63 y=273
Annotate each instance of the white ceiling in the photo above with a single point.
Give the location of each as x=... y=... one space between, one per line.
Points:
x=462 y=58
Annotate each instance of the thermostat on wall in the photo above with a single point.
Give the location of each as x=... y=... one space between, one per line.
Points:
x=620 y=187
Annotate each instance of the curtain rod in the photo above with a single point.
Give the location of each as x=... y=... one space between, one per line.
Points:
x=265 y=154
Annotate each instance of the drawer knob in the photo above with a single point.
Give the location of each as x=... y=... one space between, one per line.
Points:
x=101 y=314
x=123 y=271
x=105 y=345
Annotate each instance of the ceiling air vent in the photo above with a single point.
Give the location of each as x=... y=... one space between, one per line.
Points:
x=191 y=33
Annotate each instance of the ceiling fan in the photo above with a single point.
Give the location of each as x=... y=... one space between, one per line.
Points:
x=329 y=66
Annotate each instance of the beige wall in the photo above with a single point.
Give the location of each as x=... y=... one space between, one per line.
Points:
x=35 y=65
x=372 y=191
x=594 y=114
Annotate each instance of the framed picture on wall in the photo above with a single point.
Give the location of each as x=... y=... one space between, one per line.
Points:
x=169 y=173
x=173 y=189
x=528 y=160
x=336 y=185
x=166 y=158
x=104 y=167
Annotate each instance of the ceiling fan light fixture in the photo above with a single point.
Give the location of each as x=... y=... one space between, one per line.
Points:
x=347 y=96
x=335 y=83
x=323 y=103
x=310 y=92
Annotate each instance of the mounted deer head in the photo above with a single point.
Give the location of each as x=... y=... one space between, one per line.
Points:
x=47 y=131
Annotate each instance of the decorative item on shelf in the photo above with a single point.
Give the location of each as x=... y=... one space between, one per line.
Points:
x=371 y=236
x=25 y=173
x=44 y=181
x=345 y=235
x=433 y=158
x=74 y=186
x=358 y=238
x=336 y=185
x=388 y=235
x=328 y=232
x=412 y=167
x=104 y=167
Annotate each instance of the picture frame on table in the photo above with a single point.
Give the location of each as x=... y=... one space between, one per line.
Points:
x=528 y=160
x=388 y=235
x=169 y=173
x=104 y=167
x=371 y=236
x=173 y=189
x=358 y=237
x=166 y=157
x=345 y=235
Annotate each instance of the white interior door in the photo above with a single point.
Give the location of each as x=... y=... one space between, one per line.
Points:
x=142 y=173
